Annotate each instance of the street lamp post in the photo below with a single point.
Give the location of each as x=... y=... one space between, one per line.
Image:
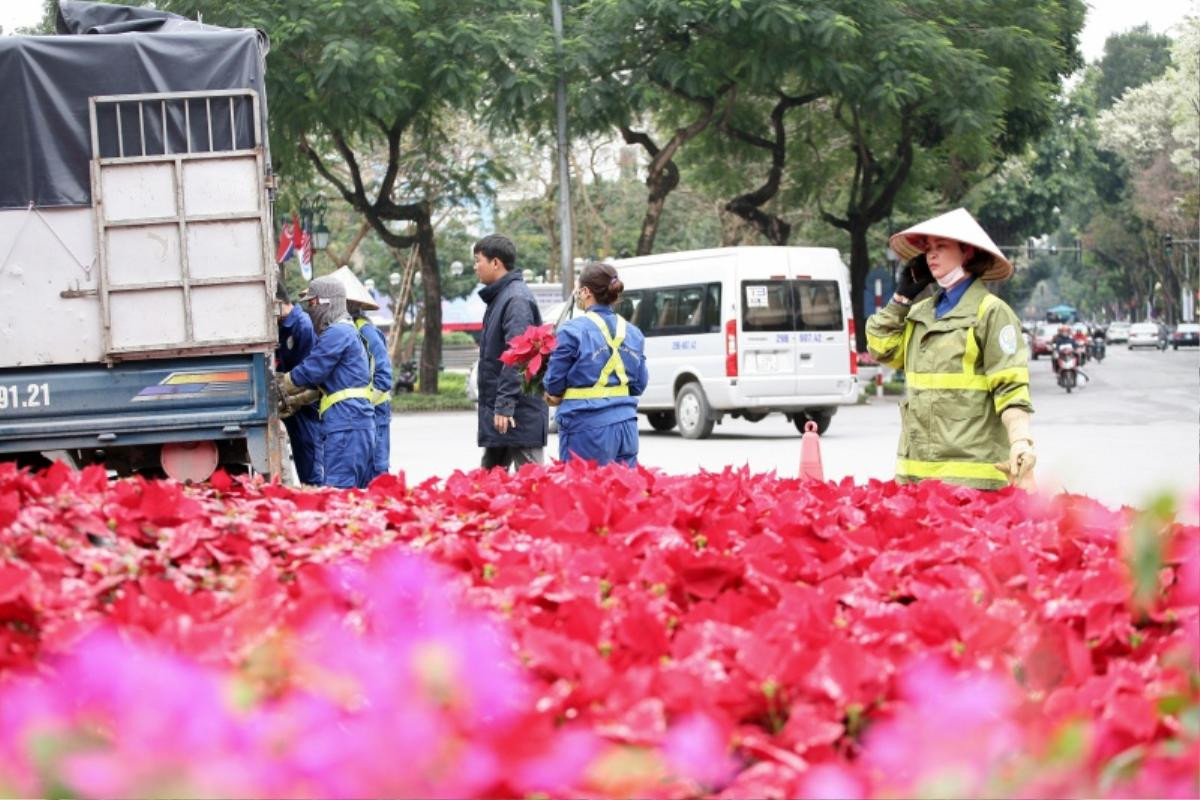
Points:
x=312 y=218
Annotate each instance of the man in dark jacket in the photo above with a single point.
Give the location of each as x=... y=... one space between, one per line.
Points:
x=512 y=424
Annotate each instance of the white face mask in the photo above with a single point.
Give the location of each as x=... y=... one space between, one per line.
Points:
x=952 y=277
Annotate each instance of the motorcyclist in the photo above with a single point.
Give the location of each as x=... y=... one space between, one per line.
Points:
x=1063 y=336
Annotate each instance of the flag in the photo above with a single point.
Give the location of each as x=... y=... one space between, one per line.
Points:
x=306 y=252
x=287 y=243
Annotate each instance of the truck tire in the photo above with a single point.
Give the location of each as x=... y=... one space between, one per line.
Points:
x=692 y=412
x=661 y=420
x=818 y=415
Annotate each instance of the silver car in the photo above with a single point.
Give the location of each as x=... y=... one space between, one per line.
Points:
x=1146 y=334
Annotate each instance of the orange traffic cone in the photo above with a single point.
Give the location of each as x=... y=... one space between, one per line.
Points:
x=810 y=453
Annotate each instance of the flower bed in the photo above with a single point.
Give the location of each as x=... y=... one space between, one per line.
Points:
x=591 y=632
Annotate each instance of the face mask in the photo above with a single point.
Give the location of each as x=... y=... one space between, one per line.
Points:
x=954 y=276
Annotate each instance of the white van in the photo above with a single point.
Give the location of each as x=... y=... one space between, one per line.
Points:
x=744 y=331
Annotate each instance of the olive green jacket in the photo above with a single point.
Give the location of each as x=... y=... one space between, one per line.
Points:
x=961 y=372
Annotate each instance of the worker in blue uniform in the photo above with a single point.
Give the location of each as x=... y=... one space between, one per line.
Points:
x=337 y=367
x=595 y=374
x=296 y=339
x=358 y=302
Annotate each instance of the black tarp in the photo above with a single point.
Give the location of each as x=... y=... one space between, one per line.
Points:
x=46 y=81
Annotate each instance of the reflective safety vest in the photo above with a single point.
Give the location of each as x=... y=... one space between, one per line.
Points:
x=614 y=365
x=328 y=400
x=961 y=372
x=377 y=396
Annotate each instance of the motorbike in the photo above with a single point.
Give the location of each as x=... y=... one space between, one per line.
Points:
x=1066 y=364
x=404 y=379
x=1097 y=347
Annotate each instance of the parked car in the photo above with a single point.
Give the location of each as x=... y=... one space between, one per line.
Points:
x=1043 y=336
x=1147 y=334
x=1118 y=332
x=1187 y=334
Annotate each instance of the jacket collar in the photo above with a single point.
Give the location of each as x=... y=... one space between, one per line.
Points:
x=967 y=306
x=492 y=291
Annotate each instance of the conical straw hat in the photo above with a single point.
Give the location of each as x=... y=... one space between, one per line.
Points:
x=355 y=291
x=960 y=226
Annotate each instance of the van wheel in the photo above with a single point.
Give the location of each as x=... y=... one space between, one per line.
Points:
x=822 y=418
x=661 y=420
x=692 y=412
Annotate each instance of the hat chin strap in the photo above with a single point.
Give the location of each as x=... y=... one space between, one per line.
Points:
x=952 y=277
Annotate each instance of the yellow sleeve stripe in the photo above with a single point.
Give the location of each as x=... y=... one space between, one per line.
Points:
x=1019 y=394
x=1010 y=375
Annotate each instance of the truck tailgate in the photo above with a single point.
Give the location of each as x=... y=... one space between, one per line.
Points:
x=93 y=405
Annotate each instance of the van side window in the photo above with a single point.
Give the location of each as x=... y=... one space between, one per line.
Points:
x=627 y=305
x=677 y=310
x=766 y=306
x=818 y=307
x=666 y=309
x=712 y=309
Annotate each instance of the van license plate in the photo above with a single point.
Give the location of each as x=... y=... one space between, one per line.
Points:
x=766 y=362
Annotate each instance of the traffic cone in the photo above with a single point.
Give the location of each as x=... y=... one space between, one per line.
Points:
x=810 y=453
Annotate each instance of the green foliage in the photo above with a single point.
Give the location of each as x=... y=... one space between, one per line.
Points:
x=1130 y=59
x=451 y=396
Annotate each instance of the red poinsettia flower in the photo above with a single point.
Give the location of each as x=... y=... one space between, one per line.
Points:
x=529 y=352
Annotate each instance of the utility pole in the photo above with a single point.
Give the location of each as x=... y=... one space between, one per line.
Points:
x=566 y=272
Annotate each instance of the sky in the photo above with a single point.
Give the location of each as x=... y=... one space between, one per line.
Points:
x=1104 y=17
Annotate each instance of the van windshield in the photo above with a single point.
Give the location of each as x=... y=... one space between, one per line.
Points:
x=791 y=305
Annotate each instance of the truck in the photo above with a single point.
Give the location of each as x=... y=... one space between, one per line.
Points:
x=137 y=280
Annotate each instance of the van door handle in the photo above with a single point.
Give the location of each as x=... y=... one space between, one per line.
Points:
x=806 y=356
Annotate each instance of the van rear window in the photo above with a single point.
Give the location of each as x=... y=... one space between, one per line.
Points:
x=791 y=305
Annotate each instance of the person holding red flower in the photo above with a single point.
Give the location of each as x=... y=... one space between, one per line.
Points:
x=513 y=425
x=595 y=374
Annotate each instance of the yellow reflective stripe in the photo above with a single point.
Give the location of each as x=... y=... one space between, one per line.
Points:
x=971 y=353
x=885 y=344
x=613 y=365
x=1016 y=395
x=949 y=469
x=946 y=380
x=592 y=392
x=1010 y=375
x=987 y=302
x=328 y=400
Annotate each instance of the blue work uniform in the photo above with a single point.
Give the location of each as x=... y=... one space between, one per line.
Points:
x=599 y=368
x=380 y=365
x=338 y=367
x=296 y=340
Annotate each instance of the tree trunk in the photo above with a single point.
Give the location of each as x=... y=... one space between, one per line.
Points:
x=860 y=265
x=661 y=184
x=431 y=286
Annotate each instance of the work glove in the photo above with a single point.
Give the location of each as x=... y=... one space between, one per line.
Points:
x=286 y=386
x=914 y=277
x=1021 y=456
x=290 y=404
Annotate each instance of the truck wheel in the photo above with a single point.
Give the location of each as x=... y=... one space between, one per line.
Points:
x=692 y=412
x=661 y=420
x=818 y=415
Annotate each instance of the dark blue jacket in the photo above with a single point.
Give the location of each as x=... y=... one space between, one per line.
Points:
x=337 y=362
x=296 y=339
x=510 y=311
x=577 y=362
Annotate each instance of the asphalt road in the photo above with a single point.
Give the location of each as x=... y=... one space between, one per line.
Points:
x=1132 y=430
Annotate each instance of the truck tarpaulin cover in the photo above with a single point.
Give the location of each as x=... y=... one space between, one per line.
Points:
x=46 y=81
